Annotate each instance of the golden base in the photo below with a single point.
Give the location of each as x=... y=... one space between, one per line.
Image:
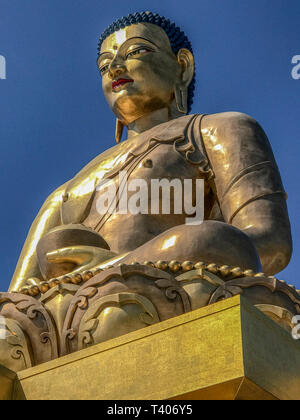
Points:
x=229 y=350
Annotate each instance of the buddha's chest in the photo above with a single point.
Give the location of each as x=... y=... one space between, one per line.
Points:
x=161 y=161
x=149 y=195
x=168 y=151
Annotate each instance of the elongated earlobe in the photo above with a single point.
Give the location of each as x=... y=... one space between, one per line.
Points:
x=186 y=60
x=119 y=130
x=181 y=99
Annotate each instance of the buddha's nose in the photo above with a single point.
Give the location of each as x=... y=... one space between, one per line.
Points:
x=116 y=69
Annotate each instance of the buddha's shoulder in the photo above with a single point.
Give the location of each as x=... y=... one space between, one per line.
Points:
x=86 y=178
x=232 y=130
x=234 y=141
x=55 y=199
x=227 y=120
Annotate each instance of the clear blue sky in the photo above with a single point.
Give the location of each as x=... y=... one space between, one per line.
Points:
x=54 y=119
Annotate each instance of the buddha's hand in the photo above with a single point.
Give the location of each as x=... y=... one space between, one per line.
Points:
x=84 y=257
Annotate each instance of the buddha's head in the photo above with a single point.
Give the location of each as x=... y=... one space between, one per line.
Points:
x=146 y=64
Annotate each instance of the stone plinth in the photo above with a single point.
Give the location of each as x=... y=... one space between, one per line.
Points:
x=227 y=350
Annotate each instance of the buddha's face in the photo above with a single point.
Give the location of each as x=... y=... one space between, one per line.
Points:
x=139 y=71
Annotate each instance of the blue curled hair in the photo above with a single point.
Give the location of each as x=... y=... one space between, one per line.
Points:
x=177 y=38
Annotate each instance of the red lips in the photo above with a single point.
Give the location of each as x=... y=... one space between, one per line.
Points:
x=121 y=82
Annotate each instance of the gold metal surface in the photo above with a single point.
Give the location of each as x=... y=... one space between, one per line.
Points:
x=222 y=351
x=246 y=220
x=88 y=279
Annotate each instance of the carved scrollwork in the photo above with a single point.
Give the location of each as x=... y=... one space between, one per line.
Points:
x=115 y=310
x=15 y=352
x=57 y=301
x=159 y=288
x=124 y=299
x=86 y=294
x=280 y=315
x=225 y=291
x=236 y=286
x=173 y=290
x=275 y=298
x=35 y=323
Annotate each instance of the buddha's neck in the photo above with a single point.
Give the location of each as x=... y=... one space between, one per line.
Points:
x=149 y=121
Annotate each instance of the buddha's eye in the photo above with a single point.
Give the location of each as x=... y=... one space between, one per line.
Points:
x=137 y=52
x=104 y=68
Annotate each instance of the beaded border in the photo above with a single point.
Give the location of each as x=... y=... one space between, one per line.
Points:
x=175 y=267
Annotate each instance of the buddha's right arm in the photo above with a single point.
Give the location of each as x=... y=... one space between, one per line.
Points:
x=48 y=217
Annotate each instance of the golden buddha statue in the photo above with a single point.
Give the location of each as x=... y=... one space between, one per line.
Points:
x=147 y=70
x=88 y=273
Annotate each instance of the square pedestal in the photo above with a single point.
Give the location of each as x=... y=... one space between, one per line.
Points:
x=229 y=350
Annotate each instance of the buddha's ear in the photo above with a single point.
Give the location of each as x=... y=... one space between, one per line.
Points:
x=186 y=60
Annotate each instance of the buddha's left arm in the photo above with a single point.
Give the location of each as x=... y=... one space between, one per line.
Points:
x=248 y=185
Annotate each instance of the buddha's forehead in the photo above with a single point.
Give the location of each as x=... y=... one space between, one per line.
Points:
x=148 y=31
